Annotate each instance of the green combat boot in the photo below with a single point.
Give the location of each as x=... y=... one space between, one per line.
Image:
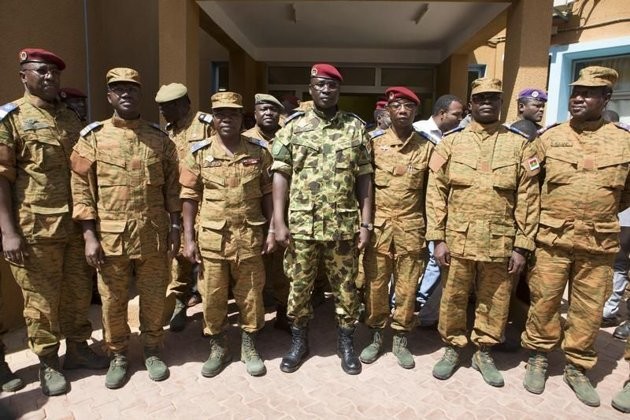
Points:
x=51 y=379
x=402 y=353
x=535 y=375
x=579 y=383
x=621 y=401
x=9 y=381
x=249 y=355
x=375 y=348
x=80 y=356
x=178 y=320
x=447 y=365
x=219 y=356
x=158 y=371
x=482 y=361
x=117 y=373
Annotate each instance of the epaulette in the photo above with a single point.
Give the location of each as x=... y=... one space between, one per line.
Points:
x=352 y=114
x=454 y=130
x=293 y=116
x=259 y=142
x=516 y=130
x=157 y=127
x=89 y=128
x=6 y=109
x=542 y=130
x=623 y=126
x=376 y=133
x=205 y=118
x=425 y=136
x=198 y=145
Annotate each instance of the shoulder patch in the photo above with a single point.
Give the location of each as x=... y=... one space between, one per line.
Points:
x=454 y=130
x=376 y=133
x=198 y=145
x=542 y=130
x=623 y=126
x=6 y=109
x=157 y=127
x=89 y=128
x=259 y=142
x=293 y=116
x=516 y=130
x=352 y=114
x=205 y=118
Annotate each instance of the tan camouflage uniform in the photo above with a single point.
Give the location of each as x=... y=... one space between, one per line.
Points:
x=397 y=245
x=125 y=177
x=586 y=184
x=483 y=201
x=323 y=159
x=35 y=145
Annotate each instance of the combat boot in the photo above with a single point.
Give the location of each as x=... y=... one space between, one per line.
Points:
x=117 y=373
x=579 y=383
x=621 y=400
x=623 y=331
x=282 y=322
x=50 y=377
x=536 y=372
x=375 y=348
x=249 y=355
x=350 y=363
x=402 y=353
x=178 y=320
x=298 y=351
x=446 y=366
x=80 y=356
x=158 y=371
x=219 y=356
x=483 y=362
x=10 y=381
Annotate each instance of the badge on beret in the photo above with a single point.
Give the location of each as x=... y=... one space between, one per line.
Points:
x=23 y=55
x=63 y=94
x=535 y=94
x=392 y=95
x=533 y=164
x=314 y=71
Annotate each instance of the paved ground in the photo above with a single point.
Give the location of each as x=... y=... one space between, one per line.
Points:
x=318 y=390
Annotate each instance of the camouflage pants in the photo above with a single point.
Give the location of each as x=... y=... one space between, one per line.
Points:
x=492 y=285
x=275 y=278
x=378 y=271
x=339 y=261
x=246 y=278
x=57 y=290
x=590 y=284
x=151 y=275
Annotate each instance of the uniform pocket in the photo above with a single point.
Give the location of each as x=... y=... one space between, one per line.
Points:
x=305 y=153
x=256 y=232
x=607 y=235
x=456 y=232
x=416 y=175
x=211 y=235
x=549 y=229
x=463 y=170
x=50 y=223
x=502 y=239
x=504 y=174
x=301 y=220
x=612 y=171
x=154 y=171
x=111 y=234
x=560 y=167
x=111 y=170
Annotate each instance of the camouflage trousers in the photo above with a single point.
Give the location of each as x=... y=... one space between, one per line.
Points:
x=406 y=270
x=57 y=290
x=276 y=280
x=492 y=285
x=590 y=284
x=151 y=275
x=338 y=259
x=246 y=279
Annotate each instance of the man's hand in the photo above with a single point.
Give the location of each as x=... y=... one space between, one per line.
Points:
x=94 y=254
x=364 y=239
x=283 y=236
x=14 y=247
x=174 y=242
x=517 y=263
x=442 y=254
x=191 y=252
x=270 y=243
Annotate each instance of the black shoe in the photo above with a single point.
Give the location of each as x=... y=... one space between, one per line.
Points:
x=298 y=351
x=350 y=363
x=613 y=321
x=623 y=331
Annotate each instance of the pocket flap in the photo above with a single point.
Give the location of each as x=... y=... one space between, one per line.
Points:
x=607 y=227
x=301 y=207
x=111 y=159
x=213 y=195
x=213 y=224
x=49 y=210
x=468 y=160
x=612 y=160
x=457 y=225
x=306 y=143
x=502 y=163
x=112 y=226
x=379 y=221
x=565 y=154
x=502 y=229
x=414 y=224
x=547 y=220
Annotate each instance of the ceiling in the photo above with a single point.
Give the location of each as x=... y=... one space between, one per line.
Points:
x=351 y=31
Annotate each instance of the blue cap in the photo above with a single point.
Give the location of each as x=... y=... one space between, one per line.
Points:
x=539 y=94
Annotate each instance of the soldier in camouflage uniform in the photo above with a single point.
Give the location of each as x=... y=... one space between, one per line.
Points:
x=41 y=243
x=184 y=126
x=585 y=185
x=126 y=196
x=482 y=211
x=228 y=176
x=397 y=248
x=321 y=158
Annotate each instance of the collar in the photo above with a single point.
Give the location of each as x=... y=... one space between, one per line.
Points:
x=477 y=127
x=182 y=123
x=391 y=133
x=586 y=125
x=219 y=151
x=322 y=116
x=38 y=102
x=122 y=123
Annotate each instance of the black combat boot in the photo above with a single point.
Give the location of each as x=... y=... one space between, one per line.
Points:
x=350 y=363
x=298 y=351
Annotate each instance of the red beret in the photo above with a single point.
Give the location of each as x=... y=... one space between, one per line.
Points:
x=381 y=104
x=398 y=92
x=326 y=71
x=69 y=92
x=37 y=55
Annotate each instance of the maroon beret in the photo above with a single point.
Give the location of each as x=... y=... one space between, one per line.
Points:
x=397 y=92
x=38 y=55
x=326 y=71
x=69 y=92
x=381 y=104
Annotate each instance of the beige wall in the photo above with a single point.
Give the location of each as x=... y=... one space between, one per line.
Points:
x=592 y=13
x=491 y=55
x=209 y=51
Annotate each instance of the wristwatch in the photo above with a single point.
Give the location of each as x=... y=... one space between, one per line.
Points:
x=368 y=226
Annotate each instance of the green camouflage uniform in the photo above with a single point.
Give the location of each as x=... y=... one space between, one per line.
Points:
x=35 y=145
x=323 y=159
x=397 y=245
x=586 y=184
x=125 y=177
x=229 y=190
x=483 y=201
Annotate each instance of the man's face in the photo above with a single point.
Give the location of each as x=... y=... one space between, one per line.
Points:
x=402 y=112
x=41 y=80
x=587 y=102
x=325 y=92
x=485 y=107
x=532 y=109
x=227 y=121
x=267 y=116
x=383 y=121
x=79 y=106
x=174 y=110
x=125 y=97
x=451 y=118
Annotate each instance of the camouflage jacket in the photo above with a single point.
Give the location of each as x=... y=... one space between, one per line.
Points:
x=193 y=128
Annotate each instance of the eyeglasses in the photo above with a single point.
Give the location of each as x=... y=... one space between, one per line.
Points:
x=410 y=106
x=44 y=71
x=322 y=84
x=486 y=97
x=122 y=89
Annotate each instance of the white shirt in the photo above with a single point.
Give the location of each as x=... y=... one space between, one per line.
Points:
x=429 y=129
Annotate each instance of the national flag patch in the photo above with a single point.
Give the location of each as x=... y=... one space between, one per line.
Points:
x=533 y=163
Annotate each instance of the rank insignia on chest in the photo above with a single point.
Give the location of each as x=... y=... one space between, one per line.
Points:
x=211 y=163
x=533 y=163
x=561 y=144
x=135 y=163
x=250 y=161
x=384 y=147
